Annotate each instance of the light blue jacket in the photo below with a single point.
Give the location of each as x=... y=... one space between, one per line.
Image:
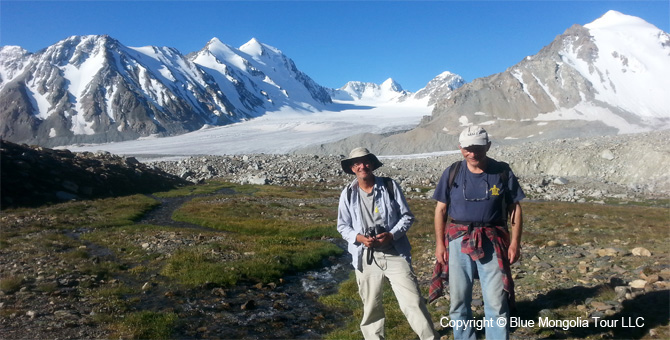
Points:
x=396 y=216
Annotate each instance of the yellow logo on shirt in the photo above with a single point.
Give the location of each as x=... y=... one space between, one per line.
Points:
x=376 y=210
x=495 y=191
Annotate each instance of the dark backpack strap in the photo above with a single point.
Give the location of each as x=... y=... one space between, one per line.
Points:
x=388 y=183
x=504 y=177
x=453 y=170
x=504 y=174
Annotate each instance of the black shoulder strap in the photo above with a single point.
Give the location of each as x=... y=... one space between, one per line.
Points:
x=504 y=178
x=388 y=183
x=504 y=173
x=453 y=170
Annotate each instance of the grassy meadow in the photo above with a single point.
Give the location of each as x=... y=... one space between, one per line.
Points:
x=259 y=234
x=251 y=234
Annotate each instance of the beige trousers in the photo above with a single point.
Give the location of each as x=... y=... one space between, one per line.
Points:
x=403 y=282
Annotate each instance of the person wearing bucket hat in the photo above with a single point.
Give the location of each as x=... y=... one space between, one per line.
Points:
x=480 y=195
x=373 y=217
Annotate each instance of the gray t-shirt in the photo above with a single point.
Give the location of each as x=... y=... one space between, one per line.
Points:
x=369 y=212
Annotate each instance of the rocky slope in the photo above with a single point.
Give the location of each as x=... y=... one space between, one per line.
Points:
x=33 y=176
x=624 y=167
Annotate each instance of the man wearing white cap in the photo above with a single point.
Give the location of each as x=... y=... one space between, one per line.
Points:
x=480 y=194
x=373 y=217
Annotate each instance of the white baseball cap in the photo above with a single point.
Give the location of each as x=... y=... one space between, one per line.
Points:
x=473 y=135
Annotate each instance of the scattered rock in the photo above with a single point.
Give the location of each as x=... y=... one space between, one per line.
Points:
x=34 y=176
x=607 y=154
x=639 y=251
x=601 y=306
x=638 y=284
x=219 y=292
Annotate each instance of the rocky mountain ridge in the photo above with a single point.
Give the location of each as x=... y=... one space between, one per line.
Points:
x=603 y=78
x=95 y=89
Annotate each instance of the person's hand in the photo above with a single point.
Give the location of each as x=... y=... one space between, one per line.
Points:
x=441 y=254
x=383 y=239
x=366 y=241
x=513 y=253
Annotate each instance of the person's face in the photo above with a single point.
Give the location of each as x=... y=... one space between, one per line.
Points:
x=475 y=154
x=362 y=168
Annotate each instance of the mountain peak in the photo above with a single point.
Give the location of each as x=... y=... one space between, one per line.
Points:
x=214 y=40
x=613 y=18
x=445 y=74
x=253 y=47
x=392 y=85
x=256 y=48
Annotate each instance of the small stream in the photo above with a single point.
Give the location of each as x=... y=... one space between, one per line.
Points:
x=289 y=309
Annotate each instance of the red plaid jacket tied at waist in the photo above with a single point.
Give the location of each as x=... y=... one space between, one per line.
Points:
x=472 y=246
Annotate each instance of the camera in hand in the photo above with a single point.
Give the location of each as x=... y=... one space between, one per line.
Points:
x=374 y=231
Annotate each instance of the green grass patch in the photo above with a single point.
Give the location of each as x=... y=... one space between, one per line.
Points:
x=264 y=217
x=112 y=298
x=265 y=259
x=146 y=325
x=10 y=284
x=577 y=223
x=108 y=212
x=195 y=266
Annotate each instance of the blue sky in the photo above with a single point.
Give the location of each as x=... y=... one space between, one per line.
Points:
x=333 y=42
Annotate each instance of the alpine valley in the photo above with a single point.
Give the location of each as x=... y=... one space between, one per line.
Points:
x=607 y=77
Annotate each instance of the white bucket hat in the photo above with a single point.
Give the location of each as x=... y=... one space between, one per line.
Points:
x=473 y=135
x=357 y=153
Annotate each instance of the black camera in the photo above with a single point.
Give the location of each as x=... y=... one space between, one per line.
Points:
x=374 y=231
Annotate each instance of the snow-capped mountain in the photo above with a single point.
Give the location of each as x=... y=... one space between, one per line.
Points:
x=256 y=68
x=440 y=87
x=94 y=89
x=388 y=91
x=607 y=77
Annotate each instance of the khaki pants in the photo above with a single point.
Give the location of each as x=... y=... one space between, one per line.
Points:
x=403 y=281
